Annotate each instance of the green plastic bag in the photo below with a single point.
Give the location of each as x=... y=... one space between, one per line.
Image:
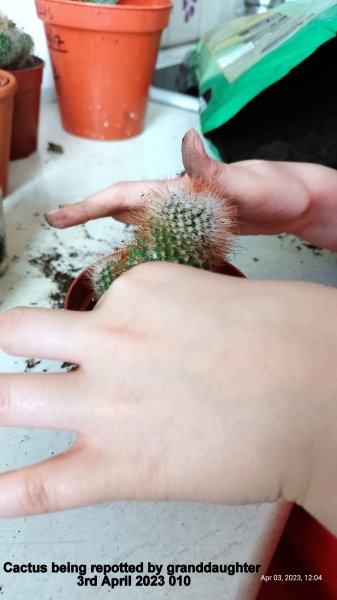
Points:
x=236 y=62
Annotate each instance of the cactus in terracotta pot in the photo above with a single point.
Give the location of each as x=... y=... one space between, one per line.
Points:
x=16 y=46
x=187 y=223
x=3 y=251
x=16 y=56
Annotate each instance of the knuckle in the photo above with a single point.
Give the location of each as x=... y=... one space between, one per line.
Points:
x=81 y=210
x=126 y=292
x=34 y=497
x=122 y=284
x=5 y=402
x=131 y=294
x=217 y=169
x=130 y=279
x=219 y=174
x=10 y=324
x=130 y=297
x=141 y=279
x=149 y=270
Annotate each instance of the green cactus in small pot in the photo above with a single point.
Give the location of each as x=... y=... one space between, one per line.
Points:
x=16 y=57
x=187 y=223
x=16 y=46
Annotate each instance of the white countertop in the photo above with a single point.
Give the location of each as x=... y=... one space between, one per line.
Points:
x=42 y=262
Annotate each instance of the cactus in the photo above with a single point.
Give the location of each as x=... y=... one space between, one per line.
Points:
x=188 y=223
x=16 y=46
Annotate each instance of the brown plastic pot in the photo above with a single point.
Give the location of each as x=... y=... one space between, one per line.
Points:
x=8 y=88
x=26 y=110
x=80 y=295
x=103 y=59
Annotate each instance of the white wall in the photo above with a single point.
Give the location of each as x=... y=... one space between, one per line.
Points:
x=24 y=14
x=207 y=14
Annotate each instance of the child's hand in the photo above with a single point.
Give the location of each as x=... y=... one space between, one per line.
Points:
x=270 y=197
x=190 y=386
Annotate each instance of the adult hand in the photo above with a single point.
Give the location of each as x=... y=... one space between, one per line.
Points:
x=190 y=386
x=270 y=197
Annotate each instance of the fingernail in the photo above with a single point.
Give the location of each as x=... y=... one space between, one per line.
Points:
x=55 y=210
x=52 y=212
x=197 y=142
x=46 y=216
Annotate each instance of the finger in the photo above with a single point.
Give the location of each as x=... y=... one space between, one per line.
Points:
x=52 y=401
x=44 y=333
x=62 y=482
x=119 y=201
x=230 y=180
x=198 y=164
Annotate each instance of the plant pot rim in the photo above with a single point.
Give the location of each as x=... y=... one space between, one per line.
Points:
x=124 y=18
x=29 y=78
x=146 y=4
x=39 y=63
x=10 y=84
x=159 y=5
x=80 y=295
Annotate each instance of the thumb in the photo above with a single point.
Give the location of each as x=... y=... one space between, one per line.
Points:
x=198 y=164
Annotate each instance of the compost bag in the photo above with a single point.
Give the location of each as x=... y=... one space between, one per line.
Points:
x=234 y=63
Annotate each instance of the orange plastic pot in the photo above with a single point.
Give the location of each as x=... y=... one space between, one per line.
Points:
x=80 y=295
x=8 y=88
x=26 y=110
x=103 y=59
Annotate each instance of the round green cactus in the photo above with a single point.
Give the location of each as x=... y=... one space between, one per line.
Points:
x=16 y=46
x=25 y=44
x=6 y=46
x=188 y=224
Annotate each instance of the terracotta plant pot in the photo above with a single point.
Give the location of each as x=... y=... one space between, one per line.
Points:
x=80 y=294
x=103 y=58
x=3 y=248
x=8 y=87
x=26 y=110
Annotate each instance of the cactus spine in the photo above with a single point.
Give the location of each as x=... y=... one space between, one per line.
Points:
x=186 y=223
x=16 y=46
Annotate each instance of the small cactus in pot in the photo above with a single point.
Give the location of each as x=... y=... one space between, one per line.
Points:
x=16 y=46
x=16 y=57
x=186 y=223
